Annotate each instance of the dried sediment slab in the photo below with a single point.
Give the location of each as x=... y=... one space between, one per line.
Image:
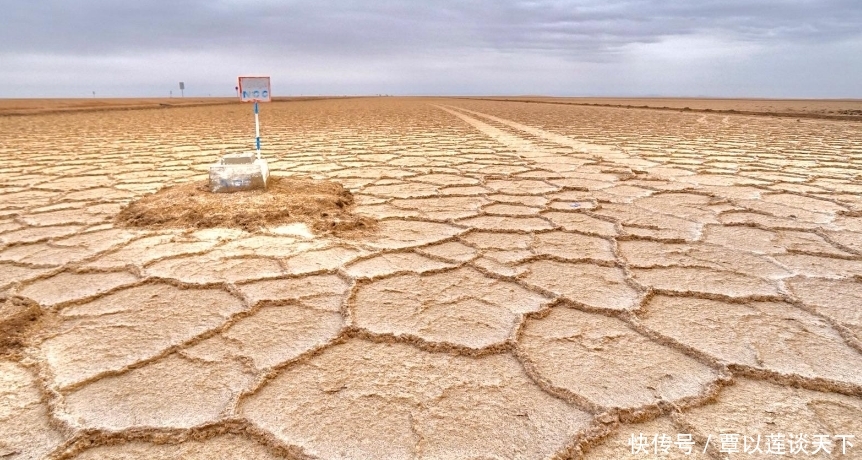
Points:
x=267 y=246
x=173 y=392
x=682 y=205
x=151 y=248
x=530 y=201
x=327 y=259
x=621 y=194
x=747 y=218
x=609 y=364
x=67 y=286
x=26 y=198
x=128 y=326
x=62 y=251
x=395 y=401
x=496 y=240
x=650 y=441
x=44 y=254
x=66 y=217
x=226 y=446
x=33 y=234
x=839 y=300
x=851 y=240
x=645 y=223
x=450 y=251
x=578 y=222
x=398 y=234
x=588 y=284
x=506 y=209
x=761 y=241
x=573 y=246
x=521 y=187
x=10 y=273
x=213 y=268
x=273 y=335
x=25 y=426
x=820 y=267
x=8 y=225
x=442 y=208
x=325 y=292
x=460 y=306
x=687 y=280
x=650 y=254
x=752 y=407
x=402 y=190
x=507 y=224
x=387 y=264
x=823 y=215
x=773 y=336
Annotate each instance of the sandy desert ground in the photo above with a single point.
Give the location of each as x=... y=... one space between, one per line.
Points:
x=837 y=109
x=546 y=281
x=18 y=107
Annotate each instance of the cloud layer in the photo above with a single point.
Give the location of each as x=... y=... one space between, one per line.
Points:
x=787 y=48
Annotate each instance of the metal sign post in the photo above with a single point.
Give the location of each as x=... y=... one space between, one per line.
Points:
x=256 y=129
x=182 y=89
x=255 y=89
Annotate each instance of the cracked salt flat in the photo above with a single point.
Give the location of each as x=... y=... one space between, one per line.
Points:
x=711 y=265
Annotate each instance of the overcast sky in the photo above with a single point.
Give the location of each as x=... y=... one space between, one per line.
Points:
x=725 y=48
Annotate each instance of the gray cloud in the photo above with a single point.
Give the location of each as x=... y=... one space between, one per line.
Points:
x=397 y=41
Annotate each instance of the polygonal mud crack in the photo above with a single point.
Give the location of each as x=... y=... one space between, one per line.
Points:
x=460 y=307
x=606 y=362
x=752 y=407
x=324 y=292
x=573 y=246
x=229 y=446
x=772 y=336
x=651 y=254
x=618 y=446
x=588 y=284
x=65 y=287
x=272 y=335
x=213 y=268
x=387 y=264
x=577 y=222
x=396 y=234
x=127 y=326
x=25 y=425
x=835 y=299
x=498 y=223
x=452 y=251
x=395 y=401
x=173 y=392
x=688 y=280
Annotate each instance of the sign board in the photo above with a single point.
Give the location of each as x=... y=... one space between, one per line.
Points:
x=182 y=85
x=255 y=89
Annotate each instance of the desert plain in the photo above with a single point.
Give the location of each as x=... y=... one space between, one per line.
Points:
x=545 y=280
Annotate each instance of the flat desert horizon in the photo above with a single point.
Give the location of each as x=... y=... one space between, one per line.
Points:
x=847 y=109
x=577 y=278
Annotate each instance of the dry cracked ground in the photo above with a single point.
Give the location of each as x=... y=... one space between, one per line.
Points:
x=546 y=281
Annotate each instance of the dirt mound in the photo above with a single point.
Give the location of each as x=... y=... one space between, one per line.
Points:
x=17 y=316
x=324 y=206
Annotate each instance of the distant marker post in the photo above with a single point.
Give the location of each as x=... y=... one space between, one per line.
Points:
x=256 y=129
x=255 y=89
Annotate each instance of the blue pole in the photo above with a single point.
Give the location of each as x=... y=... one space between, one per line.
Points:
x=256 y=129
